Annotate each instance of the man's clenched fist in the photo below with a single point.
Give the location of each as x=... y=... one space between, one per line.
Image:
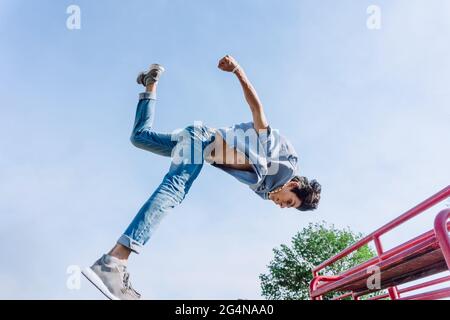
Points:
x=228 y=63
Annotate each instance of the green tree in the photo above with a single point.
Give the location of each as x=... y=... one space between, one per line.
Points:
x=290 y=271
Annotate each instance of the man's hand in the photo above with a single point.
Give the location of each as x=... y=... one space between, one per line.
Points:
x=228 y=63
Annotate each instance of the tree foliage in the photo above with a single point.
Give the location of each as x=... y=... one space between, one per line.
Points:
x=290 y=271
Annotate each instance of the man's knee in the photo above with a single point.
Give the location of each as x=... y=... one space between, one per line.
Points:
x=140 y=137
x=136 y=139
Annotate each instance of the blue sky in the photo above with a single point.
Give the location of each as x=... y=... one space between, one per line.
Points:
x=367 y=112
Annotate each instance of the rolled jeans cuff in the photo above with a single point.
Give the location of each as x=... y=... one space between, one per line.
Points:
x=131 y=244
x=147 y=95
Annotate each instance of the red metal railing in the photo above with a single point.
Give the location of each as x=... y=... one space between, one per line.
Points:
x=415 y=287
x=440 y=227
x=440 y=231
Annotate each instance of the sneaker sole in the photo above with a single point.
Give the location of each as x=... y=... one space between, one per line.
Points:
x=98 y=283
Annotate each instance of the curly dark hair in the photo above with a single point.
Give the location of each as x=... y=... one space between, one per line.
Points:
x=308 y=192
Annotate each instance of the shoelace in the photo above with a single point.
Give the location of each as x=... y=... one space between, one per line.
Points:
x=127 y=283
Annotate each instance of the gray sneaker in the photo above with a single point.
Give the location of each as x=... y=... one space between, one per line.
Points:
x=151 y=76
x=112 y=279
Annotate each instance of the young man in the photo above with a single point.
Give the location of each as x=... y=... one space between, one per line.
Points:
x=253 y=153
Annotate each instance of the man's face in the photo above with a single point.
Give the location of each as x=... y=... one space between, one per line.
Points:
x=285 y=198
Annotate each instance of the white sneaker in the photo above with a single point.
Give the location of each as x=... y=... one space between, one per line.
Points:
x=151 y=76
x=110 y=276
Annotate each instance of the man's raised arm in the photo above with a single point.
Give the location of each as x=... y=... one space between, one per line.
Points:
x=229 y=64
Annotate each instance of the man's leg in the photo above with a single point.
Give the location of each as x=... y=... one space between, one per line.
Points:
x=109 y=273
x=188 y=160
x=171 y=192
x=143 y=135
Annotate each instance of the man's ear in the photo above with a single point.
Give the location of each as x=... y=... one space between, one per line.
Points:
x=293 y=184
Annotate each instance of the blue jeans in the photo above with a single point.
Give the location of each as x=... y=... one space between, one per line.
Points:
x=186 y=148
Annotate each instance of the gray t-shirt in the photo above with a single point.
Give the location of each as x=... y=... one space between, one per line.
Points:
x=272 y=156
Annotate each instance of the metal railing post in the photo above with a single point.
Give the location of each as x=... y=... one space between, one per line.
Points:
x=440 y=228
x=393 y=291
